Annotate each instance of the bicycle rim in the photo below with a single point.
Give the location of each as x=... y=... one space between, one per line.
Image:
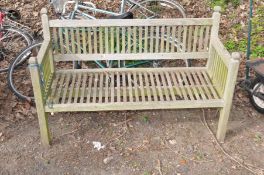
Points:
x=11 y=40
x=22 y=57
x=157 y=9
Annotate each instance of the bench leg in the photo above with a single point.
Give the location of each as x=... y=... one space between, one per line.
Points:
x=44 y=128
x=222 y=124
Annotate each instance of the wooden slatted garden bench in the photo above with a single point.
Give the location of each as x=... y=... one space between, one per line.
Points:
x=96 y=89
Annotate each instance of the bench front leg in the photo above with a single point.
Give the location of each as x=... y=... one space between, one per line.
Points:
x=39 y=100
x=228 y=96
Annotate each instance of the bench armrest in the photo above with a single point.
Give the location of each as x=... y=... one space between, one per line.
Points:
x=42 y=67
x=222 y=67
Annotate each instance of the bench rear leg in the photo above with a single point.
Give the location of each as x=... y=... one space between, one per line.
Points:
x=222 y=124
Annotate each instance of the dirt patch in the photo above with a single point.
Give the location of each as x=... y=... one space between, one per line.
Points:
x=170 y=141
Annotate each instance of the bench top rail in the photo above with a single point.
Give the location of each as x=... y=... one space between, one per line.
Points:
x=131 y=22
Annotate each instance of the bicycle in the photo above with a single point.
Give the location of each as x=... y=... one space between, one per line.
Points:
x=140 y=9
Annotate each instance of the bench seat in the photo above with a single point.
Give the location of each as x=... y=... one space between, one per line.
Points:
x=60 y=89
x=137 y=88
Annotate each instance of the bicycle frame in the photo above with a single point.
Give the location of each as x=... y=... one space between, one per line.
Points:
x=91 y=7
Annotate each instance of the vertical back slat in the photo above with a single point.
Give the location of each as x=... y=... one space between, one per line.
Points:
x=157 y=40
x=151 y=45
x=78 y=40
x=112 y=40
x=184 y=39
x=89 y=40
x=117 y=40
x=123 y=39
x=135 y=39
x=101 y=43
x=55 y=39
x=201 y=39
x=129 y=40
x=190 y=38
x=195 y=38
x=168 y=37
x=61 y=40
x=173 y=34
x=162 y=39
x=73 y=42
x=207 y=36
x=146 y=47
x=140 y=40
x=179 y=38
x=84 y=41
x=95 y=40
x=106 y=40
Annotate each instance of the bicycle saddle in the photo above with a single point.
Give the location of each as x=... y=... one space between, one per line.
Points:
x=126 y=15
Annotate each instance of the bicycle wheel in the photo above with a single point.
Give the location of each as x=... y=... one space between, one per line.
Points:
x=22 y=81
x=258 y=87
x=11 y=42
x=157 y=9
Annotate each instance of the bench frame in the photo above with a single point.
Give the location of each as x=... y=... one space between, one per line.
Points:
x=216 y=52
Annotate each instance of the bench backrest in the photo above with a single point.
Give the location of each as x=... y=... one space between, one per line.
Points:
x=125 y=39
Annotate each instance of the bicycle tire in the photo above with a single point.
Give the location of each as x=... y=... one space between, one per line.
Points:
x=12 y=67
x=171 y=2
x=255 y=101
x=25 y=36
